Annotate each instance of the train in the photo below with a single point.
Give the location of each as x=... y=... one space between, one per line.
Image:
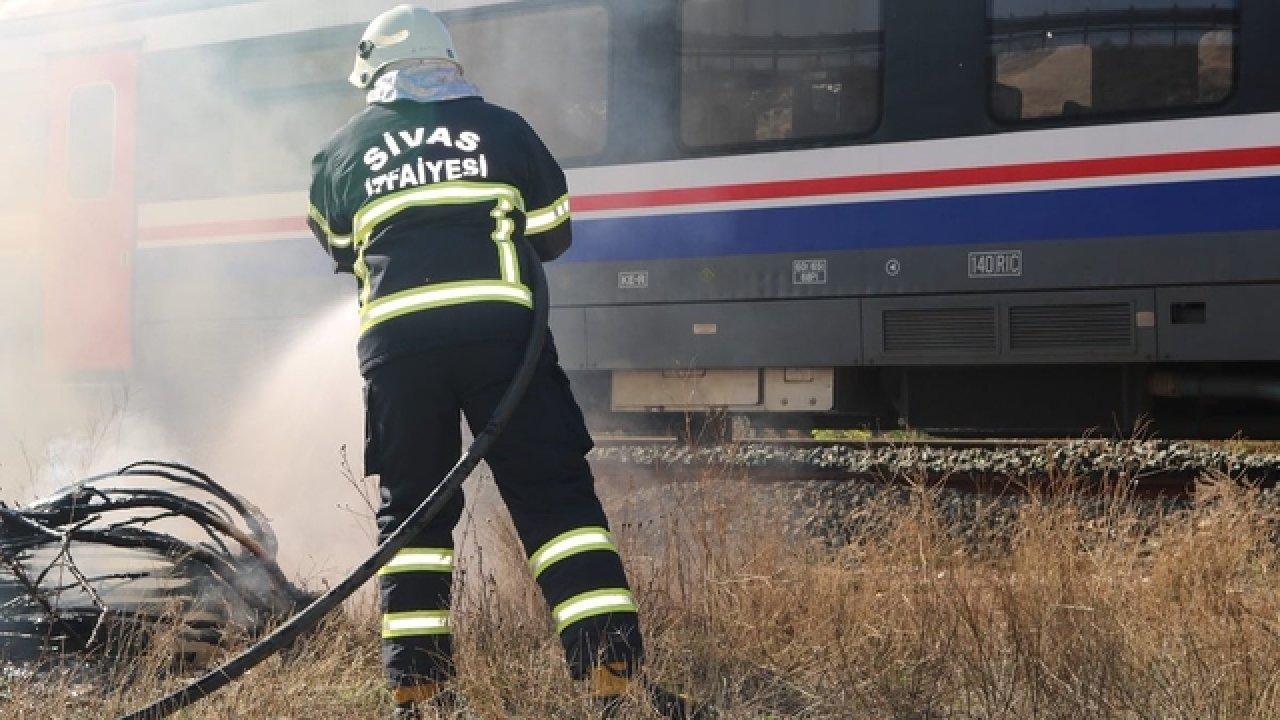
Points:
x=1028 y=217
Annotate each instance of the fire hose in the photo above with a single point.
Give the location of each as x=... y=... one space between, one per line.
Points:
x=309 y=616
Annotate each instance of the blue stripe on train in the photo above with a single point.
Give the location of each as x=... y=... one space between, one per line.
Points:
x=1160 y=209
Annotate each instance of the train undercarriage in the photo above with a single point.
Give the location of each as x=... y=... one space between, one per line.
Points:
x=1120 y=400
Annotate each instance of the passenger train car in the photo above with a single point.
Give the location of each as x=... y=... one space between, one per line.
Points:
x=1029 y=216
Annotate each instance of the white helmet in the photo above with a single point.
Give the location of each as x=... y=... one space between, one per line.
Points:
x=404 y=32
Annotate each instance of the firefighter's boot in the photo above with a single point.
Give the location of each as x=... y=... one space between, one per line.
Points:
x=424 y=702
x=609 y=685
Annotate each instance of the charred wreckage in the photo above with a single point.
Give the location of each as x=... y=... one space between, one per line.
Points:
x=109 y=561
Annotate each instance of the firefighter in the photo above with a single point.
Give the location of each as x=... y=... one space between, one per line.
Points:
x=423 y=196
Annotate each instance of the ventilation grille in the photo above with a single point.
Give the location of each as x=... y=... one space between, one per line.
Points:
x=1050 y=327
x=939 y=330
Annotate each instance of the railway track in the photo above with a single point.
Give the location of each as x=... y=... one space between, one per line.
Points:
x=1001 y=465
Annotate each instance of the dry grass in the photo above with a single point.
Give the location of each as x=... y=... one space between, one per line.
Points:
x=1072 y=608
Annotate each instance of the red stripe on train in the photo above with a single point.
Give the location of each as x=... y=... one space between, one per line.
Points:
x=851 y=185
x=216 y=229
x=937 y=179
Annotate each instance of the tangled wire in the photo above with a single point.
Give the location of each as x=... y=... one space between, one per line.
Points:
x=121 y=551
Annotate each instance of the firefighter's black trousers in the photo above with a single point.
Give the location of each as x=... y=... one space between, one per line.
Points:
x=413 y=439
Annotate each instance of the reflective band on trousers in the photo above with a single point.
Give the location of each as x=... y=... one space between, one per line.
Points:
x=586 y=605
x=442 y=295
x=338 y=241
x=569 y=544
x=419 y=560
x=414 y=624
x=539 y=221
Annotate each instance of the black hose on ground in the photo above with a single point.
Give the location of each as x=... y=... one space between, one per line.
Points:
x=306 y=619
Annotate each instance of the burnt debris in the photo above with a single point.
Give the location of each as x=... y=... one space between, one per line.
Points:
x=107 y=561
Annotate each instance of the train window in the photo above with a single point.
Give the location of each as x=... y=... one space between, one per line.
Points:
x=91 y=141
x=761 y=71
x=550 y=65
x=266 y=104
x=1066 y=58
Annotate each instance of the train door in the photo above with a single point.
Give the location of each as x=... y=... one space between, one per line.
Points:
x=90 y=212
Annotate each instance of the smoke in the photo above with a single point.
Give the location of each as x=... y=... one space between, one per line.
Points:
x=121 y=339
x=225 y=349
x=283 y=449
x=53 y=433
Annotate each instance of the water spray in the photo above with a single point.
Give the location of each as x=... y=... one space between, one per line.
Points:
x=309 y=616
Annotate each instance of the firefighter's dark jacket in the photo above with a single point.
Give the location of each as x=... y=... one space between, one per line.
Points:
x=424 y=203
